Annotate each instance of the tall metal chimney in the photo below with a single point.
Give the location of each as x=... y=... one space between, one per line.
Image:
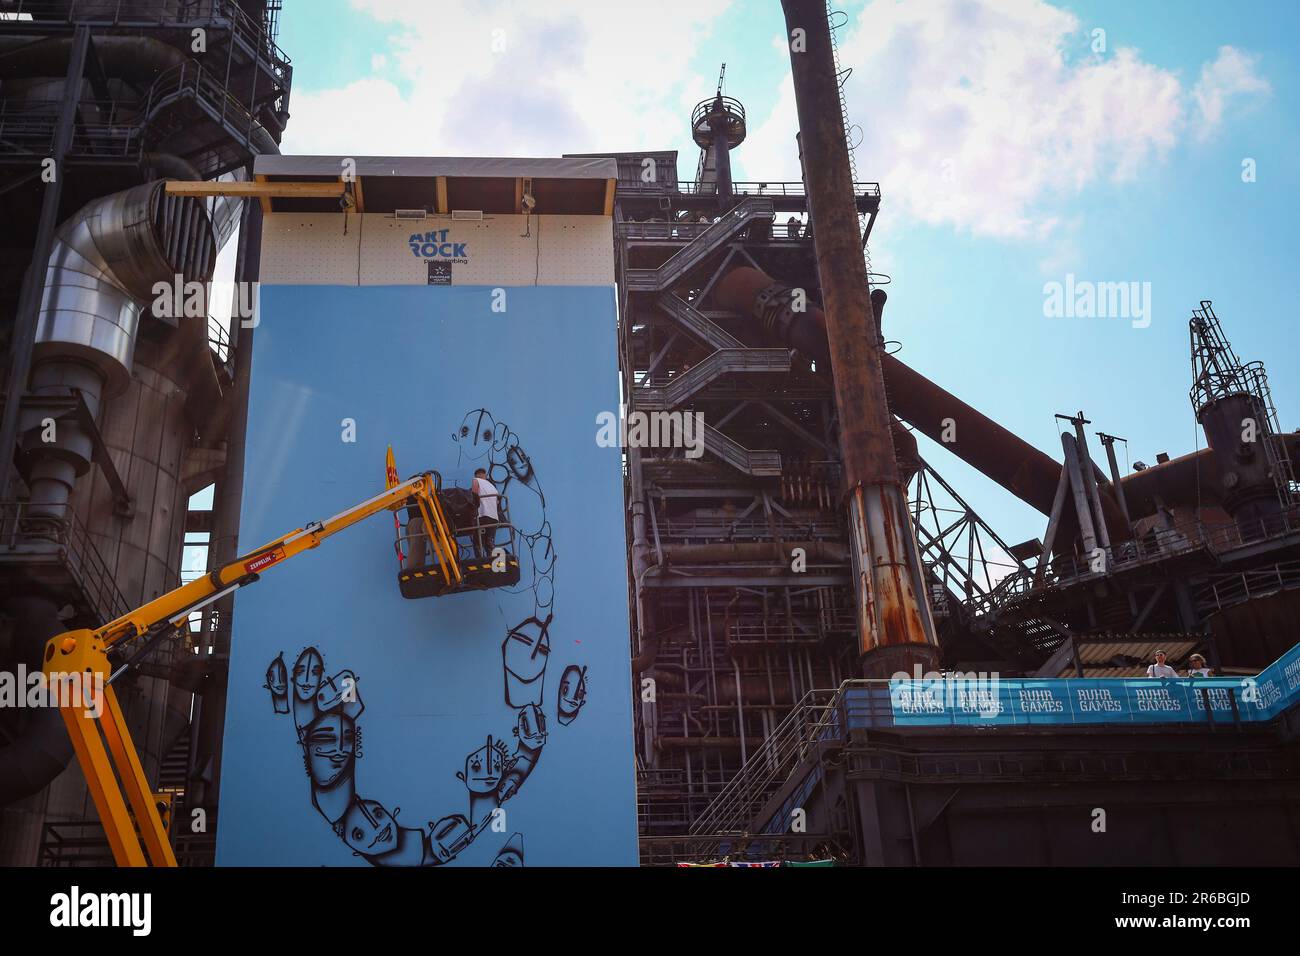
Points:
x=895 y=626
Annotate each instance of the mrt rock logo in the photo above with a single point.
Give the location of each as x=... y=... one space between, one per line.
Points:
x=434 y=245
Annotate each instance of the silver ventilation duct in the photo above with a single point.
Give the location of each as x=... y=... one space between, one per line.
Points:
x=106 y=262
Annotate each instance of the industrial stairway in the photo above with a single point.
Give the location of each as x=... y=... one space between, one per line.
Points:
x=725 y=361
x=696 y=323
x=757 y=462
x=748 y=212
x=768 y=769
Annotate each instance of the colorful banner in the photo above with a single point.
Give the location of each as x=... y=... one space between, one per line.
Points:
x=940 y=702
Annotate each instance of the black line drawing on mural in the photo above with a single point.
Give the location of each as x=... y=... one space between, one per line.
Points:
x=491 y=444
x=326 y=710
x=326 y=713
x=512 y=854
x=572 y=694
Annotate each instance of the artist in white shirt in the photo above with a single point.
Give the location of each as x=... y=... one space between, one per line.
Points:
x=1160 y=668
x=485 y=538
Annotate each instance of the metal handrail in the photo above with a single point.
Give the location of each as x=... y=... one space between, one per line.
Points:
x=218 y=340
x=207 y=90
x=721 y=362
x=1184 y=537
x=45 y=13
x=19 y=527
x=746 y=212
x=735 y=805
x=784 y=190
x=404 y=538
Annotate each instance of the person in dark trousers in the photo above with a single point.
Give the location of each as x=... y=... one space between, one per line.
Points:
x=485 y=538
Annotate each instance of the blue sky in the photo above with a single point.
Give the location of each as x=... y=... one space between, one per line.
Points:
x=1118 y=165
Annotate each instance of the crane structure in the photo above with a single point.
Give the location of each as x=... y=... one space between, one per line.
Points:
x=80 y=675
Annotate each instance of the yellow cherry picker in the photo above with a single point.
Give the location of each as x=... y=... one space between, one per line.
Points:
x=80 y=674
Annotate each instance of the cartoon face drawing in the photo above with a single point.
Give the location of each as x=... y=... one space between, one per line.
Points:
x=369 y=828
x=277 y=677
x=277 y=682
x=340 y=692
x=531 y=729
x=331 y=744
x=512 y=854
x=483 y=768
x=308 y=671
x=450 y=835
x=477 y=434
x=524 y=652
x=521 y=467
x=573 y=693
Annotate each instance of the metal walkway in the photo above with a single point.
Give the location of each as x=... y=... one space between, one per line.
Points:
x=746 y=213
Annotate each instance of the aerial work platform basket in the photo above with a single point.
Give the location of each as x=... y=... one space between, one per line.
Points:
x=447 y=547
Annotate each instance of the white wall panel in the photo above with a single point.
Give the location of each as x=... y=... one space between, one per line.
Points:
x=313 y=249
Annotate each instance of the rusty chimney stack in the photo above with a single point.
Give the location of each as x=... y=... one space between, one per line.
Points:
x=895 y=627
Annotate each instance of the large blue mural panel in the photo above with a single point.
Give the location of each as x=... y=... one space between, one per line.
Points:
x=468 y=729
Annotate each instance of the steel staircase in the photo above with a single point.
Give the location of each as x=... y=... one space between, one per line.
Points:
x=759 y=463
x=769 y=768
x=725 y=361
x=746 y=213
x=696 y=323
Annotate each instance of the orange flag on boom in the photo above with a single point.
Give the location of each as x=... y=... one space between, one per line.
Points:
x=391 y=481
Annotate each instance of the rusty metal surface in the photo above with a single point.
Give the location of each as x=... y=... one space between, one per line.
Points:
x=865 y=441
x=894 y=619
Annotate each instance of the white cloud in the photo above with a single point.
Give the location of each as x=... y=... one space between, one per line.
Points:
x=515 y=79
x=974 y=114
x=1230 y=75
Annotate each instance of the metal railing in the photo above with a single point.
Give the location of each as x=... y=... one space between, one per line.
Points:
x=108 y=129
x=825 y=717
x=783 y=190
x=792 y=847
x=1184 y=537
x=744 y=214
x=104 y=128
x=464 y=538
x=714 y=365
x=696 y=322
x=769 y=766
x=23 y=533
x=218 y=340
x=139 y=13
x=1231 y=589
x=84 y=843
x=709 y=528
x=209 y=92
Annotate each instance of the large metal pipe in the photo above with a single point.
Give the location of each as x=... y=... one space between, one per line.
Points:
x=23 y=337
x=895 y=628
x=1016 y=465
x=106 y=261
x=42 y=751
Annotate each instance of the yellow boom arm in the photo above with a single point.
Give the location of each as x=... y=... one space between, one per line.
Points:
x=77 y=667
